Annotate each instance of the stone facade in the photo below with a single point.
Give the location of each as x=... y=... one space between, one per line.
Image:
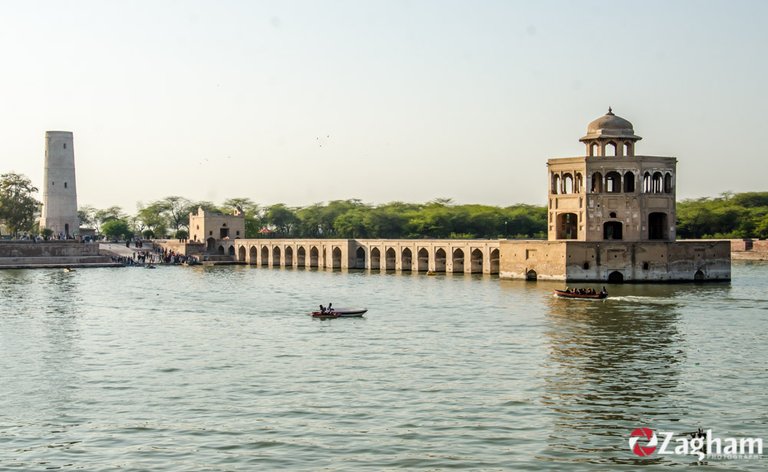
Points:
x=59 y=212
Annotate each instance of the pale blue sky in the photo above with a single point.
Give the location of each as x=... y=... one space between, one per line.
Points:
x=309 y=101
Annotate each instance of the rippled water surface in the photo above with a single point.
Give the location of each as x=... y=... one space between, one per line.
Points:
x=221 y=369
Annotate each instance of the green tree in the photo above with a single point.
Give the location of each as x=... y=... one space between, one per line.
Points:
x=116 y=229
x=18 y=207
x=282 y=218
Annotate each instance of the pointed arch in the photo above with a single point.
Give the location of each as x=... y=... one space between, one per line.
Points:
x=406 y=260
x=457 y=259
x=360 y=258
x=375 y=259
x=440 y=259
x=336 y=258
x=288 y=256
x=494 y=269
x=476 y=261
x=264 y=256
x=314 y=257
x=301 y=256
x=422 y=260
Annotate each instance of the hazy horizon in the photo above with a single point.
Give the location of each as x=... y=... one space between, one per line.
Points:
x=300 y=102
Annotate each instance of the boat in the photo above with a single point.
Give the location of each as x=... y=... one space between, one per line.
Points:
x=340 y=313
x=582 y=296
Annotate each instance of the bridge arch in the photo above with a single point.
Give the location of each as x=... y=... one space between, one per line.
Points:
x=390 y=260
x=241 y=254
x=440 y=260
x=276 y=256
x=301 y=256
x=264 y=256
x=457 y=260
x=360 y=258
x=314 y=255
x=494 y=269
x=422 y=262
x=406 y=260
x=252 y=255
x=476 y=261
x=375 y=259
x=289 y=256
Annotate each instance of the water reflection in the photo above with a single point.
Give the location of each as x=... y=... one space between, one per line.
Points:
x=612 y=367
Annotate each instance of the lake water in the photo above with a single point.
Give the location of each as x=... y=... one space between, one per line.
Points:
x=187 y=368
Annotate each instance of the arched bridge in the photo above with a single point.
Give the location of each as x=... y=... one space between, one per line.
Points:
x=470 y=256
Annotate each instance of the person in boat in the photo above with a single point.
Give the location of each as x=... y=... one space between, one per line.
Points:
x=604 y=290
x=330 y=307
x=322 y=309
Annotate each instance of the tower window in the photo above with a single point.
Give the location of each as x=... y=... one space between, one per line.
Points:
x=65 y=145
x=53 y=183
x=65 y=185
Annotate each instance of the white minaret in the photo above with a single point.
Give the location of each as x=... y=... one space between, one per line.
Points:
x=60 y=191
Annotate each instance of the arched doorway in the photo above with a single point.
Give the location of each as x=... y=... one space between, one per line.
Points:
x=657 y=226
x=615 y=277
x=221 y=250
x=458 y=261
x=375 y=259
x=231 y=251
x=360 y=258
x=390 y=259
x=476 y=258
x=612 y=230
x=211 y=244
x=241 y=254
x=406 y=260
x=276 y=256
x=531 y=275
x=440 y=260
x=698 y=276
x=422 y=263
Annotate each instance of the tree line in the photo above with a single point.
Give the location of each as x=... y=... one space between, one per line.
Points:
x=441 y=218
x=730 y=215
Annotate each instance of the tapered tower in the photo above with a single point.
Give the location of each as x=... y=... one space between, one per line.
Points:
x=60 y=190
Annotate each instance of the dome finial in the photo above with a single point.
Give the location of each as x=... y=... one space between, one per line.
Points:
x=610 y=110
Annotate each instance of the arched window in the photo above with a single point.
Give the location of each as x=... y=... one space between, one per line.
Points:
x=597 y=183
x=593 y=149
x=647 y=182
x=658 y=182
x=579 y=183
x=610 y=149
x=628 y=148
x=629 y=182
x=567 y=183
x=555 y=183
x=668 y=183
x=613 y=182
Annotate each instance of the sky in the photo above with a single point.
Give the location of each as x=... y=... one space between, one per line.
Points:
x=300 y=102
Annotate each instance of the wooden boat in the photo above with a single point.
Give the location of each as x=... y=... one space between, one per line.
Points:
x=582 y=296
x=340 y=313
